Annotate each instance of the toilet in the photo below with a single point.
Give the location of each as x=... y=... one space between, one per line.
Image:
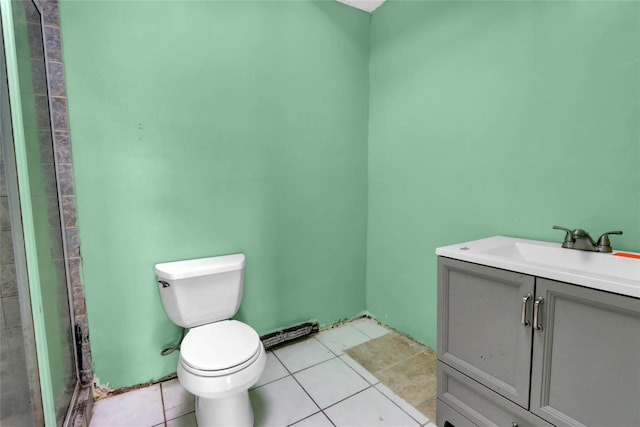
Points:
x=220 y=359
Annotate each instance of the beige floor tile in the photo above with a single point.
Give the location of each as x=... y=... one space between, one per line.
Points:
x=413 y=379
x=381 y=353
x=404 y=366
x=428 y=408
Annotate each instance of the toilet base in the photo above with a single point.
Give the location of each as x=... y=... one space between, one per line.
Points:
x=229 y=411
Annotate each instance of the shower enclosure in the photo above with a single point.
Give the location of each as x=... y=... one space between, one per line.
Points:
x=39 y=369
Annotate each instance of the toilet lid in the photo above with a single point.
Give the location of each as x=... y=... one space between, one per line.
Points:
x=220 y=345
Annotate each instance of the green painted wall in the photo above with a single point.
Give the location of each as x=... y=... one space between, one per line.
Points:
x=208 y=128
x=203 y=128
x=494 y=118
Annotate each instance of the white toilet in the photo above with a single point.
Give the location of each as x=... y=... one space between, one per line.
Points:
x=219 y=358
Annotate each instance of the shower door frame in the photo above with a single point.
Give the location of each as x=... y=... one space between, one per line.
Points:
x=29 y=268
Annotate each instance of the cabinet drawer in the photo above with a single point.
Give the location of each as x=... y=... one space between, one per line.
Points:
x=478 y=404
x=446 y=416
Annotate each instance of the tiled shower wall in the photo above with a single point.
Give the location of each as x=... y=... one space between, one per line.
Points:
x=64 y=170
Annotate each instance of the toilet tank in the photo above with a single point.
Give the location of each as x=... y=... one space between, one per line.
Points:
x=199 y=291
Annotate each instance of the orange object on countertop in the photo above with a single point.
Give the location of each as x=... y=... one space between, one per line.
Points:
x=627 y=255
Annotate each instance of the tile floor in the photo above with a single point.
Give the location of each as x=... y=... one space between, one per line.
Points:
x=358 y=374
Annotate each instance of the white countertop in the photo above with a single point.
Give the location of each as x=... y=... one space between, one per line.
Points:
x=607 y=272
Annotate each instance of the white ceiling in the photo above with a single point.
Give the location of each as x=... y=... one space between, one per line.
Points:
x=366 y=5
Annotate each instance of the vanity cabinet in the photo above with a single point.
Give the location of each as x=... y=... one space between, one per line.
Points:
x=515 y=349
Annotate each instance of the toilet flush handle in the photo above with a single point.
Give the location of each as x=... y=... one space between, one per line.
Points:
x=164 y=284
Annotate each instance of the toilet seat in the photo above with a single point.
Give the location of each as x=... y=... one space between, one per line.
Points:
x=220 y=348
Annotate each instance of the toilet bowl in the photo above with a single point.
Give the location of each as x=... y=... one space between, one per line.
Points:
x=218 y=364
x=220 y=359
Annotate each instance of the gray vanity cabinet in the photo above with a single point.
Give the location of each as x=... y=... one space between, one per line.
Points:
x=576 y=364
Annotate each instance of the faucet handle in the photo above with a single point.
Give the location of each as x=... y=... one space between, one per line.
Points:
x=579 y=232
x=603 y=241
x=568 y=238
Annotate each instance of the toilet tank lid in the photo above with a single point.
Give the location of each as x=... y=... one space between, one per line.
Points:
x=199 y=267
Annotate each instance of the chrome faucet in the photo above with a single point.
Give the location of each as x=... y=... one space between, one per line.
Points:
x=581 y=240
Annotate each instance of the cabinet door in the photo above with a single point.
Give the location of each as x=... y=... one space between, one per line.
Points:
x=479 y=326
x=586 y=358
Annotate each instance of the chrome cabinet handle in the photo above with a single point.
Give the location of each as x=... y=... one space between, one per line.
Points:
x=523 y=315
x=536 y=313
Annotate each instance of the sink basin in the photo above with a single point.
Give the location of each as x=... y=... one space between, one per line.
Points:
x=550 y=260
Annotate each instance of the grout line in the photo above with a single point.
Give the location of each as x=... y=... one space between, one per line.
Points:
x=278 y=359
x=354 y=369
x=302 y=419
x=164 y=411
x=327 y=417
x=397 y=363
x=313 y=366
x=386 y=397
x=330 y=420
x=370 y=337
x=329 y=349
x=401 y=408
x=351 y=395
x=306 y=392
x=298 y=382
x=274 y=380
x=311 y=397
x=325 y=346
x=307 y=367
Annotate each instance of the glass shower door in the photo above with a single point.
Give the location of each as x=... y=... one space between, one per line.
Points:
x=20 y=402
x=37 y=212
